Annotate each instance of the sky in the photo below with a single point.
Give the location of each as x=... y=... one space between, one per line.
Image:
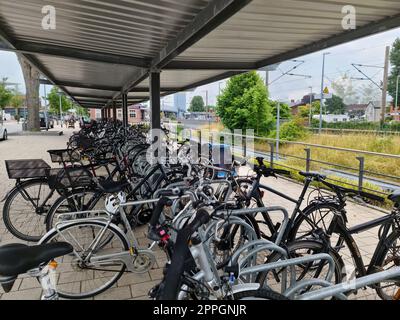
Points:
x=369 y=50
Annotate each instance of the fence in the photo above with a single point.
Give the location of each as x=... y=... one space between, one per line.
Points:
x=355 y=131
x=361 y=176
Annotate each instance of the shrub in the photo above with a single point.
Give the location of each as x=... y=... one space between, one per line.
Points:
x=291 y=131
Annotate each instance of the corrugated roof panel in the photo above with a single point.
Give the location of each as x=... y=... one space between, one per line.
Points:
x=86 y=72
x=141 y=27
x=266 y=28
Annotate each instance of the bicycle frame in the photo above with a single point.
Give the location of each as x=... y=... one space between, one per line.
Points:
x=338 y=226
x=296 y=211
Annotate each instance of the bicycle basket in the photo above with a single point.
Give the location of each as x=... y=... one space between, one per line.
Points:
x=72 y=177
x=64 y=155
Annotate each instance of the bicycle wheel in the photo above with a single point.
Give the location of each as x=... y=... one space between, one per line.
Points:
x=314 y=216
x=26 y=207
x=78 y=200
x=316 y=269
x=231 y=236
x=79 y=277
x=389 y=257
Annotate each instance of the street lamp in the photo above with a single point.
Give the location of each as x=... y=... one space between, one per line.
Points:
x=219 y=87
x=322 y=91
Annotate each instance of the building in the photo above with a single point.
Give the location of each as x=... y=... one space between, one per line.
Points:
x=174 y=105
x=373 y=111
x=136 y=113
x=357 y=111
x=295 y=105
x=332 y=118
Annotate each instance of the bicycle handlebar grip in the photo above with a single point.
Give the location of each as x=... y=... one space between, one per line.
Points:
x=260 y=160
x=164 y=201
x=281 y=171
x=202 y=217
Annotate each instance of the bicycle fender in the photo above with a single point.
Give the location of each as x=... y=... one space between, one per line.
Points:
x=245 y=287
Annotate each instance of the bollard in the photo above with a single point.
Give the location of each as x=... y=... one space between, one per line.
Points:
x=308 y=159
x=360 y=173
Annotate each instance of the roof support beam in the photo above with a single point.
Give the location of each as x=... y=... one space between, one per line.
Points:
x=81 y=85
x=216 y=13
x=210 y=65
x=78 y=54
x=7 y=43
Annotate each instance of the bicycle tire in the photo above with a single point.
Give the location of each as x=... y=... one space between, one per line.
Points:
x=302 y=218
x=50 y=217
x=383 y=251
x=8 y=211
x=51 y=237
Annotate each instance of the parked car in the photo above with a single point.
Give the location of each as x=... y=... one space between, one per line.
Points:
x=43 y=121
x=3 y=133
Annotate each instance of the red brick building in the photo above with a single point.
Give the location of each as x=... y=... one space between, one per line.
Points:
x=136 y=113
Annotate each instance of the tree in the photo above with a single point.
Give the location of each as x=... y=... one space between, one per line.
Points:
x=395 y=63
x=244 y=104
x=54 y=102
x=5 y=98
x=335 y=105
x=197 y=104
x=304 y=111
x=31 y=77
x=17 y=100
x=284 y=110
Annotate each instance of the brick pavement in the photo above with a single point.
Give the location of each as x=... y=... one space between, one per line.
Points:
x=133 y=286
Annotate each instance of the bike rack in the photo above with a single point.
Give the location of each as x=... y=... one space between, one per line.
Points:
x=358 y=283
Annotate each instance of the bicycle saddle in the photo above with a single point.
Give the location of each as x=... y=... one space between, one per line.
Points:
x=311 y=174
x=111 y=186
x=19 y=258
x=395 y=197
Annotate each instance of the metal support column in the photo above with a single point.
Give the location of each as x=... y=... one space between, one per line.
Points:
x=125 y=110
x=155 y=100
x=108 y=113
x=114 y=111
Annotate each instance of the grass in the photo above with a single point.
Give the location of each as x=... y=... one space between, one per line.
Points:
x=341 y=160
x=373 y=164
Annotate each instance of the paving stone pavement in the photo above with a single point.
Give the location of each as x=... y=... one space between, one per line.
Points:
x=136 y=286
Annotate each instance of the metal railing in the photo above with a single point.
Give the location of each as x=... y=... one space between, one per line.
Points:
x=384 y=182
x=355 y=131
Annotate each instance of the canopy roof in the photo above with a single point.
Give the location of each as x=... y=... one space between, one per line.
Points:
x=102 y=48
